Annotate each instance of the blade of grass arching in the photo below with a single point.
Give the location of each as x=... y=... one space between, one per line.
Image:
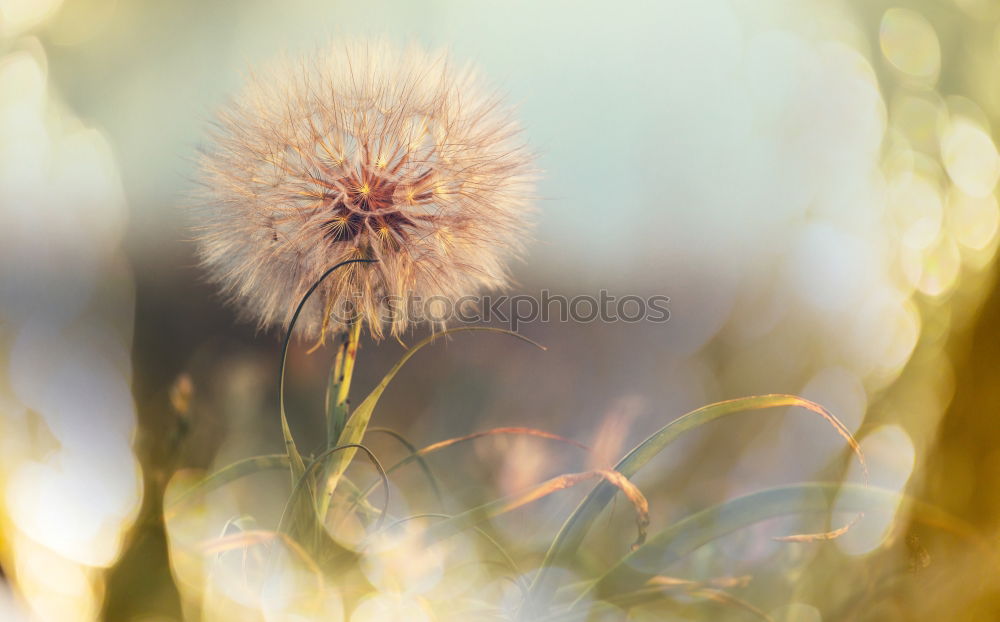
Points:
x=300 y=515
x=571 y=535
x=301 y=503
x=420 y=454
x=294 y=457
x=228 y=473
x=300 y=519
x=415 y=453
x=353 y=493
x=357 y=423
x=644 y=565
x=477 y=515
x=634 y=570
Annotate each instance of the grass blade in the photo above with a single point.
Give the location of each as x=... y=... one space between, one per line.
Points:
x=673 y=543
x=473 y=517
x=336 y=414
x=357 y=424
x=301 y=502
x=416 y=455
x=228 y=473
x=294 y=457
x=571 y=535
x=419 y=455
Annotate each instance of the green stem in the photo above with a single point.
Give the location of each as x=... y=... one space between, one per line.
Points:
x=350 y=356
x=294 y=457
x=332 y=388
x=339 y=387
x=341 y=405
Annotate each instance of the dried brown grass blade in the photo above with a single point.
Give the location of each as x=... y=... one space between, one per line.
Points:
x=826 y=535
x=568 y=480
x=718 y=582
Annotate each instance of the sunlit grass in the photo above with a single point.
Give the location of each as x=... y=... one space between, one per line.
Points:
x=333 y=542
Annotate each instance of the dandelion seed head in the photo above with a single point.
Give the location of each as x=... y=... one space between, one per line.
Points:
x=362 y=151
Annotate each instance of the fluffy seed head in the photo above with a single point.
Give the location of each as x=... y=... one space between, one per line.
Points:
x=362 y=151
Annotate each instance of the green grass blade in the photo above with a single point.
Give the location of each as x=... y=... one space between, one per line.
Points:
x=357 y=424
x=302 y=503
x=673 y=543
x=415 y=455
x=670 y=545
x=226 y=474
x=294 y=457
x=420 y=454
x=482 y=513
x=336 y=414
x=571 y=535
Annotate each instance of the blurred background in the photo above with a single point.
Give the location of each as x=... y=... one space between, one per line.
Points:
x=812 y=183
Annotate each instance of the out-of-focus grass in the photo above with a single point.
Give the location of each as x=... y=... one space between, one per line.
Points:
x=311 y=541
x=919 y=572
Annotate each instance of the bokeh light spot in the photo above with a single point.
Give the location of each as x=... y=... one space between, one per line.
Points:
x=973 y=220
x=910 y=44
x=970 y=157
x=941 y=267
x=891 y=456
x=17 y=16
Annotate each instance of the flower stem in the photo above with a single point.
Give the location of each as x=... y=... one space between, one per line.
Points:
x=350 y=355
x=334 y=418
x=338 y=390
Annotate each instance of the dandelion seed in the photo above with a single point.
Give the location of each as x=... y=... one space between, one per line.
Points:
x=362 y=151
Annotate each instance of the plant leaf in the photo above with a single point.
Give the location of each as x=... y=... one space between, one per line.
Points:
x=420 y=454
x=571 y=535
x=634 y=570
x=357 y=424
x=294 y=457
x=228 y=473
x=415 y=455
x=473 y=517
x=336 y=415
x=302 y=503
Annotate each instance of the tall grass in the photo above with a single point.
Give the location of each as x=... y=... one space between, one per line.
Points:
x=324 y=500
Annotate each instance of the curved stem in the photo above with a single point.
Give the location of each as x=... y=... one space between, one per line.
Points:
x=298 y=466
